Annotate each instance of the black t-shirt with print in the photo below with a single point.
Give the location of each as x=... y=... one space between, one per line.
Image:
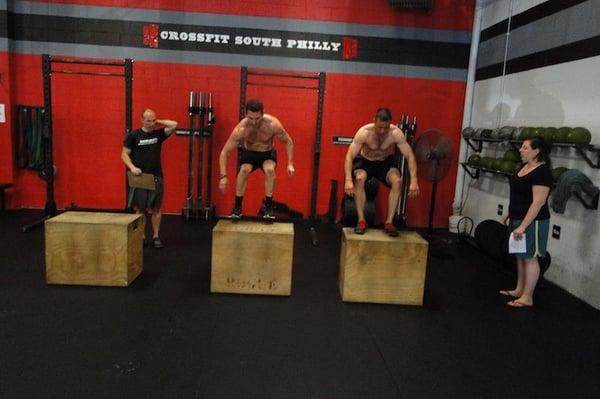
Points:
x=145 y=149
x=521 y=192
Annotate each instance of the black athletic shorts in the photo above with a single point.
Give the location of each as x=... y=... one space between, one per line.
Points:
x=377 y=169
x=139 y=198
x=257 y=158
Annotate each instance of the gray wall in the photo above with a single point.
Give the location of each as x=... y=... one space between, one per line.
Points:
x=560 y=93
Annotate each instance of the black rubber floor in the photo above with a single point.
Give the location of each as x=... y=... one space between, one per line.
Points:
x=166 y=336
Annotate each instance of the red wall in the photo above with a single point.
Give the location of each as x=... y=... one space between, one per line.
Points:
x=446 y=14
x=6 y=155
x=89 y=122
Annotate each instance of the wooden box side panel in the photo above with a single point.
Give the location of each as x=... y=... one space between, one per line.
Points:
x=135 y=250
x=252 y=263
x=86 y=254
x=343 y=249
x=384 y=272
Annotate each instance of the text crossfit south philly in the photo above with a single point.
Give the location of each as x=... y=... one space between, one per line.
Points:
x=255 y=41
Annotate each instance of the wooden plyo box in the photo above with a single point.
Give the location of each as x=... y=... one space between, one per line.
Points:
x=252 y=258
x=94 y=248
x=381 y=269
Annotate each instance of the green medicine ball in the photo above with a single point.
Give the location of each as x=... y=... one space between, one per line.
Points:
x=507 y=166
x=486 y=162
x=560 y=136
x=579 y=135
x=537 y=131
x=497 y=164
x=512 y=155
x=548 y=134
x=474 y=160
x=526 y=133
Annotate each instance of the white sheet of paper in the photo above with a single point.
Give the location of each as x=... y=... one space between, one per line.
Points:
x=2 y=114
x=517 y=246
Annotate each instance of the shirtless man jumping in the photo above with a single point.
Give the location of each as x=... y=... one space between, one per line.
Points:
x=254 y=137
x=370 y=155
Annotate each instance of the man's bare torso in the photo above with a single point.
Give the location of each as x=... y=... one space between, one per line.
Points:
x=259 y=138
x=377 y=146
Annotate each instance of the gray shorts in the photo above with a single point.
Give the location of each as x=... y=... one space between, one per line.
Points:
x=139 y=198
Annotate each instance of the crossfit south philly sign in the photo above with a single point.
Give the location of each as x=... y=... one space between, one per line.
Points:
x=250 y=41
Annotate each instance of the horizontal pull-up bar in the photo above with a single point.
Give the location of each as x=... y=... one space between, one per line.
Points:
x=88 y=73
x=283 y=74
x=282 y=85
x=86 y=62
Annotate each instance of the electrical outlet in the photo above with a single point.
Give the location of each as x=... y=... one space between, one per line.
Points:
x=556 y=232
x=500 y=209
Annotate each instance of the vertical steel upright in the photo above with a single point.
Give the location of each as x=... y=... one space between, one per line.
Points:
x=317 y=161
x=243 y=85
x=210 y=116
x=199 y=209
x=189 y=200
x=48 y=168
x=128 y=69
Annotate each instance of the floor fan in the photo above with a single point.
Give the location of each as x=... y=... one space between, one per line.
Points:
x=433 y=151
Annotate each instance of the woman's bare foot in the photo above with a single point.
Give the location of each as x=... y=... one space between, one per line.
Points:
x=511 y=293
x=520 y=303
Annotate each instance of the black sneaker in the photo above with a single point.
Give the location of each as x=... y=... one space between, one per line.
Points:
x=157 y=243
x=236 y=214
x=268 y=213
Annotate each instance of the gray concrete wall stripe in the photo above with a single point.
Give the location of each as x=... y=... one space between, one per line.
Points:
x=570 y=25
x=236 y=60
x=491 y=51
x=195 y=18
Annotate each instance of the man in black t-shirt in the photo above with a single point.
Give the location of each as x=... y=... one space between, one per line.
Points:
x=141 y=154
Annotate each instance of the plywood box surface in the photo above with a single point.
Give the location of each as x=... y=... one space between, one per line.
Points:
x=93 y=248
x=252 y=258
x=381 y=269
